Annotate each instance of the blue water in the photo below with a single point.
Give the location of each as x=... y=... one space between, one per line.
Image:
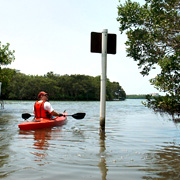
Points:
x=137 y=144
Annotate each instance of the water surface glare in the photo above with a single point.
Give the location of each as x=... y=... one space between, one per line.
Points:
x=137 y=144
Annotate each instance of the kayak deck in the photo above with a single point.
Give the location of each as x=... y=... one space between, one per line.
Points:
x=43 y=123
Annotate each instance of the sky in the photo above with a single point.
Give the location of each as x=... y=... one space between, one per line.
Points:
x=55 y=35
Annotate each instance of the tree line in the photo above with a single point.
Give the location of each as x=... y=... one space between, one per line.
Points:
x=19 y=86
x=136 y=96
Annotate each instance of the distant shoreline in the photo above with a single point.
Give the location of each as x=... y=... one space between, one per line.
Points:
x=136 y=96
x=140 y=96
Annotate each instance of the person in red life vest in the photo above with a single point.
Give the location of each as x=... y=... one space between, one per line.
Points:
x=42 y=108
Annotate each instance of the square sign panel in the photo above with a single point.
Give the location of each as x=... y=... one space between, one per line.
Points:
x=96 y=43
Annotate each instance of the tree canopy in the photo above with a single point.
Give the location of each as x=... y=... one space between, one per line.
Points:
x=59 y=87
x=6 y=55
x=153 y=32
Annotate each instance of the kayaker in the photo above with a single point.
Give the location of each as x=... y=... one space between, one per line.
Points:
x=42 y=108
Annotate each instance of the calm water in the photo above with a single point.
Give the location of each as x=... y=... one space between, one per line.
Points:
x=137 y=144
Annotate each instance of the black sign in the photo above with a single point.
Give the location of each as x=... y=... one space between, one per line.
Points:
x=96 y=43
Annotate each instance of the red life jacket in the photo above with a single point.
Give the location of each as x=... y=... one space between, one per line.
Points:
x=39 y=110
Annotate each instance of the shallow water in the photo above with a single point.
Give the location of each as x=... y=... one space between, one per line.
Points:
x=137 y=144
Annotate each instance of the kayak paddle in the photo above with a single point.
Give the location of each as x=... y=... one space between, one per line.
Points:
x=75 y=116
x=78 y=115
x=26 y=116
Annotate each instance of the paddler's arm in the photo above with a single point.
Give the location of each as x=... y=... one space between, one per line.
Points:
x=54 y=113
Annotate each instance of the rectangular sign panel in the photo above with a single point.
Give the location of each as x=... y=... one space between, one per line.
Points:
x=96 y=43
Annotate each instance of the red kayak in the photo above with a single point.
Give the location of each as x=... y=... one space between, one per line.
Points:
x=43 y=123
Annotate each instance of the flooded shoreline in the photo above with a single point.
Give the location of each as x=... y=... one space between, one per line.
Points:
x=137 y=144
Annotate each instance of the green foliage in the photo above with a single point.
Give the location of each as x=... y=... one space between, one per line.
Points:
x=153 y=32
x=65 y=87
x=163 y=104
x=6 y=56
x=6 y=78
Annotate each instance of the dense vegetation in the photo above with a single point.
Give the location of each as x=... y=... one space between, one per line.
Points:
x=153 y=32
x=19 y=86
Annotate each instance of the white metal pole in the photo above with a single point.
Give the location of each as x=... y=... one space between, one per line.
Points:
x=103 y=79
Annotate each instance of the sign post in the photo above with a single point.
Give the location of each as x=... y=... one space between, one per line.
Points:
x=103 y=43
x=103 y=79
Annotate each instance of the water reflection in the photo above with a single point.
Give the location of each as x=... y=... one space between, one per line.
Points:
x=102 y=164
x=5 y=142
x=4 y=158
x=164 y=163
x=41 y=139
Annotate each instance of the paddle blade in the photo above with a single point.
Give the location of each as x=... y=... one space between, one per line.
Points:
x=26 y=115
x=79 y=115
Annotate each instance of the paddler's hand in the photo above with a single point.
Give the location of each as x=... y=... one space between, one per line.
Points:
x=60 y=115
